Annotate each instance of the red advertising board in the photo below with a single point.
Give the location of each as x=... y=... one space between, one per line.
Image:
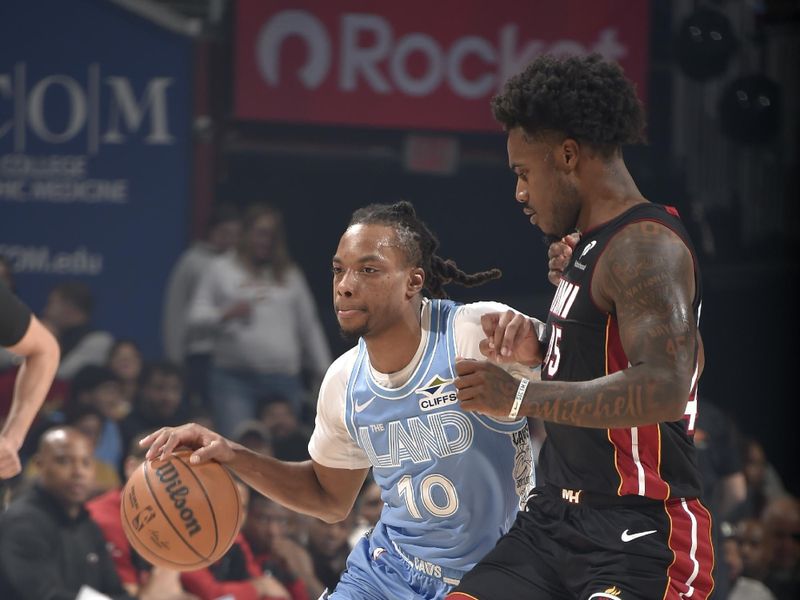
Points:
x=417 y=64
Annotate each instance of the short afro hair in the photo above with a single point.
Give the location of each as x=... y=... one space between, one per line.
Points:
x=583 y=97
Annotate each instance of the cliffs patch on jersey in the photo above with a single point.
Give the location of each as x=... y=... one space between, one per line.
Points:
x=433 y=394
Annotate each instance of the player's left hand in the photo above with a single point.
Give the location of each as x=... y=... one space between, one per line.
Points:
x=9 y=459
x=510 y=338
x=485 y=387
x=207 y=445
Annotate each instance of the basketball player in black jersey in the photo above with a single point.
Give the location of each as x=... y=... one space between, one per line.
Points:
x=617 y=515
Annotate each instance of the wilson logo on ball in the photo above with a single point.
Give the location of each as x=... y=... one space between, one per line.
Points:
x=168 y=475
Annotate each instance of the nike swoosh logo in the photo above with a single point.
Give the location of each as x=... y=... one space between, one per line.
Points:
x=629 y=537
x=361 y=407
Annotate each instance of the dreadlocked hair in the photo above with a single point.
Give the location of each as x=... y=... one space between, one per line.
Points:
x=420 y=244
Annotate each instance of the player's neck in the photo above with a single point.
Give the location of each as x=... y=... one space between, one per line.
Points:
x=610 y=193
x=392 y=349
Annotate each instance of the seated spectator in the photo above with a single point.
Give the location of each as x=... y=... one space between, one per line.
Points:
x=763 y=482
x=99 y=387
x=137 y=576
x=723 y=482
x=255 y=436
x=752 y=547
x=289 y=437
x=782 y=534
x=125 y=360
x=236 y=575
x=49 y=546
x=159 y=402
x=95 y=394
x=68 y=314
x=89 y=421
x=740 y=587
x=190 y=347
x=257 y=305
x=277 y=554
x=329 y=547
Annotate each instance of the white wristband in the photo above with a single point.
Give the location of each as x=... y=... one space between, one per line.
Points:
x=523 y=385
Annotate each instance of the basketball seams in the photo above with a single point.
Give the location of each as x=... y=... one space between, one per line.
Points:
x=240 y=513
x=131 y=534
x=151 y=556
x=206 y=479
x=208 y=500
x=175 y=529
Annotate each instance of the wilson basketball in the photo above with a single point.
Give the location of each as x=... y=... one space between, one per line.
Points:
x=178 y=515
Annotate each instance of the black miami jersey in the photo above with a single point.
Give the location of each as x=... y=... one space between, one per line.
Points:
x=653 y=461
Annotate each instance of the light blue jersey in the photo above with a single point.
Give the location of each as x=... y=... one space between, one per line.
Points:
x=451 y=481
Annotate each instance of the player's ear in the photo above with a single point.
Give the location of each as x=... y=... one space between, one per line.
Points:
x=416 y=281
x=567 y=155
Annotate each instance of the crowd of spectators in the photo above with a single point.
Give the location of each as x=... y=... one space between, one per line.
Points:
x=244 y=352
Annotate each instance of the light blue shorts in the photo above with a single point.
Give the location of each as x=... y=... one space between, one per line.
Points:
x=376 y=570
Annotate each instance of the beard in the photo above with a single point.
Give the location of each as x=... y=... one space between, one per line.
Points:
x=353 y=335
x=565 y=211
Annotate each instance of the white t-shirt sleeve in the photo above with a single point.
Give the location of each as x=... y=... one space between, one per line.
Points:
x=331 y=444
x=469 y=334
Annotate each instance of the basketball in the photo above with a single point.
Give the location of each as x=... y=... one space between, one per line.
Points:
x=181 y=516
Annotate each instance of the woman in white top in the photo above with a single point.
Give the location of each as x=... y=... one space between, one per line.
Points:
x=258 y=306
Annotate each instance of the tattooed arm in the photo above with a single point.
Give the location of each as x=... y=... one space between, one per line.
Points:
x=646 y=279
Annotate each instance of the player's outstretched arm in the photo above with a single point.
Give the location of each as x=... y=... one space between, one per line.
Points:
x=645 y=278
x=41 y=353
x=306 y=487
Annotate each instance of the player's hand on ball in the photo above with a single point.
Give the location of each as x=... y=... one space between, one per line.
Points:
x=510 y=337
x=559 y=254
x=207 y=445
x=484 y=387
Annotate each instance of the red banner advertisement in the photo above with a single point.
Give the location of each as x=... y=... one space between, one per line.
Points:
x=417 y=64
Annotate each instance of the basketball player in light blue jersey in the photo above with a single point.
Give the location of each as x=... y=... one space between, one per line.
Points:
x=451 y=481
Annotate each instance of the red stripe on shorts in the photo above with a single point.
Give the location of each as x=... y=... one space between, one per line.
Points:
x=689 y=575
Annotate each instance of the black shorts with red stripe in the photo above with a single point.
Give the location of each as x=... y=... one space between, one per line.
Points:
x=567 y=545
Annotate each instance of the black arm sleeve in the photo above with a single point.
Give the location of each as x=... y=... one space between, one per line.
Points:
x=15 y=318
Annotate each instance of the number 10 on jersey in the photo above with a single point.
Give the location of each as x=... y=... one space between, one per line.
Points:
x=445 y=508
